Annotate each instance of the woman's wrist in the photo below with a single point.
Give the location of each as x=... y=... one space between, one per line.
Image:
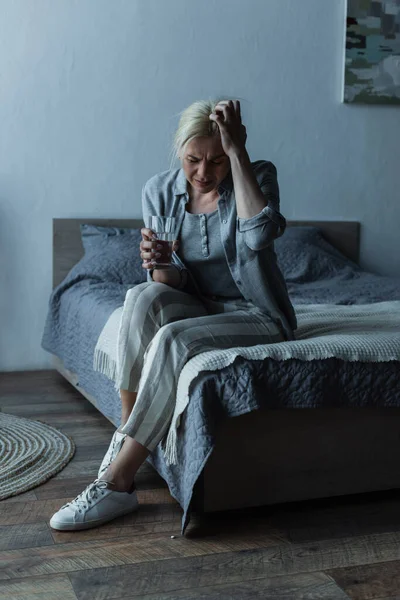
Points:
x=171 y=276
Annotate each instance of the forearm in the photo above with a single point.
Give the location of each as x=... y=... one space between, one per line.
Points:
x=170 y=276
x=249 y=198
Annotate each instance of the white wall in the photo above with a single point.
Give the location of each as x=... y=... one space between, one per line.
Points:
x=89 y=92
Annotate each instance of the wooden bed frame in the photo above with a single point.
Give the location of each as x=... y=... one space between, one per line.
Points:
x=281 y=455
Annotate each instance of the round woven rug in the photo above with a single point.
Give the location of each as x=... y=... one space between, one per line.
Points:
x=31 y=452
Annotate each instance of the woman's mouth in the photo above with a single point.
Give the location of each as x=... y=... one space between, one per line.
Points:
x=202 y=182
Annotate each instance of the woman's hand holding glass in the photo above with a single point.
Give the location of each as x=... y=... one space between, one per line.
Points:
x=151 y=248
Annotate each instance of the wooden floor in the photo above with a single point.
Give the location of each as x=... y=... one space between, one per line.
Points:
x=346 y=547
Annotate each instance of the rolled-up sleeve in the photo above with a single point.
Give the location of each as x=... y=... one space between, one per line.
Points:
x=262 y=229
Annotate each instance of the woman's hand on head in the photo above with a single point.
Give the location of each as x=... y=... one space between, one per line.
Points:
x=148 y=247
x=228 y=117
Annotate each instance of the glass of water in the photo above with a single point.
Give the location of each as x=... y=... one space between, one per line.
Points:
x=164 y=228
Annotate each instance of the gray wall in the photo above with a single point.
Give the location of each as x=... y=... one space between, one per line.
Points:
x=90 y=90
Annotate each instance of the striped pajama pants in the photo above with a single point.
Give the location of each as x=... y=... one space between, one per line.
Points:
x=167 y=328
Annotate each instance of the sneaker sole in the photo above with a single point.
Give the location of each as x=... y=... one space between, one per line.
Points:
x=60 y=526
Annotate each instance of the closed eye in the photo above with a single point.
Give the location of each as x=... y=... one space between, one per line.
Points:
x=214 y=161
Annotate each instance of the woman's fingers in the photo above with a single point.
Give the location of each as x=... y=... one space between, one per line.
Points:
x=149 y=257
x=148 y=234
x=147 y=265
x=147 y=245
x=228 y=108
x=150 y=248
x=236 y=104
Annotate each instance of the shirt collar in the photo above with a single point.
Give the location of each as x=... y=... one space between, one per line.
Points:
x=181 y=183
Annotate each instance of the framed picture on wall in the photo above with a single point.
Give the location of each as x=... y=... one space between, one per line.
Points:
x=372 y=52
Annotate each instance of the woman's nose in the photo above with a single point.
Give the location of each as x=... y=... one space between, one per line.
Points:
x=203 y=170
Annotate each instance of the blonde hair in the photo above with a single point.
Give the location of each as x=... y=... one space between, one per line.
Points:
x=194 y=122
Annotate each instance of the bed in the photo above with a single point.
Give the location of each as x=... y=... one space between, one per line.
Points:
x=281 y=442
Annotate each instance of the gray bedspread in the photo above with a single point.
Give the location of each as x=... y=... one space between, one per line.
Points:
x=80 y=306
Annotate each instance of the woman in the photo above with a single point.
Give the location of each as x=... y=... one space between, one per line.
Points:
x=224 y=290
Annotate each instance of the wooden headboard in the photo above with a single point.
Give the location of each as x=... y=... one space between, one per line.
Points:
x=68 y=249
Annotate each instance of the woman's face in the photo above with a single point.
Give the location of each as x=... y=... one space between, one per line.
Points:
x=205 y=161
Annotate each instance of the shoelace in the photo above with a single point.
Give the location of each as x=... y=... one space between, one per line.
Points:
x=88 y=494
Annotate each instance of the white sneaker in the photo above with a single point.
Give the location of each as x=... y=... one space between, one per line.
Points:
x=97 y=504
x=115 y=446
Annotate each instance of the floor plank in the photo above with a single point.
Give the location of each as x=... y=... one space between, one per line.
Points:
x=372 y=581
x=305 y=586
x=29 y=495
x=50 y=587
x=25 y=535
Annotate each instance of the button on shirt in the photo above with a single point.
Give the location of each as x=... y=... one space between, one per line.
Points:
x=248 y=244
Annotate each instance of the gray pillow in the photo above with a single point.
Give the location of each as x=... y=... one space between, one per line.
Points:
x=113 y=253
x=304 y=255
